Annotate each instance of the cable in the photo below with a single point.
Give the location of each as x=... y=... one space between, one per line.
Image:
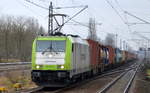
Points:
x=115 y=11
x=119 y=14
x=128 y=26
x=70 y=7
x=123 y=12
x=80 y=23
x=28 y=8
x=119 y=5
x=76 y=31
x=146 y=22
x=54 y=7
x=71 y=18
x=36 y=4
x=44 y=1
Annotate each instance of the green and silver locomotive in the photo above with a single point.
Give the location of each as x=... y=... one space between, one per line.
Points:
x=59 y=60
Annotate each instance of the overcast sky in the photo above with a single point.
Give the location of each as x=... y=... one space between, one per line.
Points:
x=98 y=9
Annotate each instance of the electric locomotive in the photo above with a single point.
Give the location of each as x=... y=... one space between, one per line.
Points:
x=59 y=60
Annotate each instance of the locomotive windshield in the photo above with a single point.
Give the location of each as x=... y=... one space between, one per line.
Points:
x=51 y=46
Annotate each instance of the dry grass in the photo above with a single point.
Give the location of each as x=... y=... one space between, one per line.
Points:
x=11 y=78
x=5 y=82
x=10 y=60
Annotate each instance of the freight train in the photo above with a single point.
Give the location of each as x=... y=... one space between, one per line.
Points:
x=62 y=60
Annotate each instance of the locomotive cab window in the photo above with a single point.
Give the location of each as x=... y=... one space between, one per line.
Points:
x=51 y=46
x=72 y=47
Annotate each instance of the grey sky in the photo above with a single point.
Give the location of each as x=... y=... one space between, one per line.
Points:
x=99 y=9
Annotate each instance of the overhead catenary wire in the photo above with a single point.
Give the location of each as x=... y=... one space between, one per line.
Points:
x=36 y=4
x=146 y=22
x=76 y=31
x=117 y=2
x=60 y=8
x=54 y=7
x=142 y=36
x=123 y=20
x=119 y=5
x=69 y=7
x=80 y=23
x=72 y=17
x=28 y=8
x=46 y=1
x=128 y=24
x=116 y=11
x=84 y=24
x=64 y=7
x=130 y=14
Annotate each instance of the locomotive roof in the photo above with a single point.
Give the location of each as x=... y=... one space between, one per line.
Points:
x=72 y=39
x=78 y=40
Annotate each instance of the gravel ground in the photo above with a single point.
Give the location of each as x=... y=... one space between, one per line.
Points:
x=6 y=69
x=140 y=84
x=10 y=77
x=93 y=86
x=120 y=85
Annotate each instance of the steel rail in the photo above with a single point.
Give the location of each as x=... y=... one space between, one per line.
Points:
x=112 y=83
x=79 y=83
x=109 y=85
x=15 y=63
x=34 y=90
x=105 y=73
x=131 y=80
x=91 y=79
x=7 y=69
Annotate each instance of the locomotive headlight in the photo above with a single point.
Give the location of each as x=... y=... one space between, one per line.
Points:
x=62 y=67
x=50 y=55
x=37 y=66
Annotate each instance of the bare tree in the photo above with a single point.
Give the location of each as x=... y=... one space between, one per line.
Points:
x=92 y=29
x=16 y=37
x=110 y=40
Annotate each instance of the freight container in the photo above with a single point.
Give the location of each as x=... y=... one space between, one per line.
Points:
x=94 y=55
x=101 y=57
x=106 y=56
x=123 y=56
x=118 y=56
x=111 y=51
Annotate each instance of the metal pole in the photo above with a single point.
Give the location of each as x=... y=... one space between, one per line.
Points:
x=123 y=45
x=120 y=44
x=116 y=40
x=50 y=21
x=127 y=46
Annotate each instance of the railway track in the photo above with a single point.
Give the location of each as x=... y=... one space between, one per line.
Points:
x=14 y=66
x=60 y=90
x=122 y=83
x=32 y=90
x=14 y=63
